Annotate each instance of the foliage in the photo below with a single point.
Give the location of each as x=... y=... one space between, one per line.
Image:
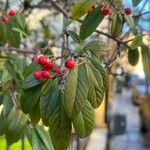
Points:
x=60 y=96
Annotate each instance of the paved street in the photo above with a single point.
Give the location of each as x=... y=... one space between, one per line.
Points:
x=132 y=140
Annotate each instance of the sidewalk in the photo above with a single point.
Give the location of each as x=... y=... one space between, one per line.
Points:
x=132 y=140
x=98 y=140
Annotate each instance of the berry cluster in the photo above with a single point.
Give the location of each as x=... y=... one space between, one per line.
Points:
x=107 y=10
x=49 y=67
x=5 y=18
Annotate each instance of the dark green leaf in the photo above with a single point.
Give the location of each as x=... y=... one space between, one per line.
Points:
x=83 y=122
x=96 y=47
x=117 y=25
x=29 y=98
x=3 y=33
x=96 y=88
x=136 y=2
x=74 y=36
x=59 y=125
x=33 y=67
x=30 y=82
x=35 y=114
x=101 y=70
x=38 y=138
x=76 y=90
x=133 y=56
x=81 y=8
x=137 y=41
x=49 y=98
x=17 y=121
x=145 y=52
x=90 y=23
x=14 y=37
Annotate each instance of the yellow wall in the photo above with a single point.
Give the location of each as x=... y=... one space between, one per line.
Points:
x=100 y=116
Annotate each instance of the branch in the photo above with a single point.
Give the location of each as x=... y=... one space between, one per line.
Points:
x=61 y=10
x=113 y=57
x=139 y=15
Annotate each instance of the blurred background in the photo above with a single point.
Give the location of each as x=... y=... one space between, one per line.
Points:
x=123 y=120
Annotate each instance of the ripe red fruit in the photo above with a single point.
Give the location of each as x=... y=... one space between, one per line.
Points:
x=57 y=70
x=46 y=75
x=5 y=19
x=46 y=69
x=70 y=63
x=128 y=11
x=34 y=58
x=50 y=64
x=38 y=75
x=12 y=13
x=106 y=11
x=42 y=60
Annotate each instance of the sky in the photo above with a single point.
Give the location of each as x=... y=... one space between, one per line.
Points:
x=144 y=24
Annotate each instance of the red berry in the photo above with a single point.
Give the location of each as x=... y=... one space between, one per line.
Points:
x=70 y=64
x=106 y=11
x=57 y=70
x=34 y=58
x=5 y=19
x=42 y=60
x=50 y=64
x=46 y=75
x=12 y=13
x=38 y=75
x=46 y=69
x=128 y=11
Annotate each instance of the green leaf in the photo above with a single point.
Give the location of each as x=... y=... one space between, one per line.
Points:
x=30 y=82
x=59 y=125
x=145 y=52
x=96 y=47
x=67 y=22
x=101 y=70
x=33 y=67
x=74 y=36
x=3 y=33
x=136 y=2
x=117 y=25
x=14 y=37
x=21 y=23
x=49 y=98
x=3 y=123
x=83 y=122
x=131 y=23
x=137 y=41
x=29 y=98
x=133 y=56
x=90 y=23
x=45 y=137
x=17 y=121
x=20 y=31
x=7 y=106
x=81 y=8
x=96 y=88
x=76 y=90
x=38 y=138
x=11 y=137
x=35 y=114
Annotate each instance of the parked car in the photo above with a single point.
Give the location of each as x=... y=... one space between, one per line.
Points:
x=139 y=90
x=145 y=115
